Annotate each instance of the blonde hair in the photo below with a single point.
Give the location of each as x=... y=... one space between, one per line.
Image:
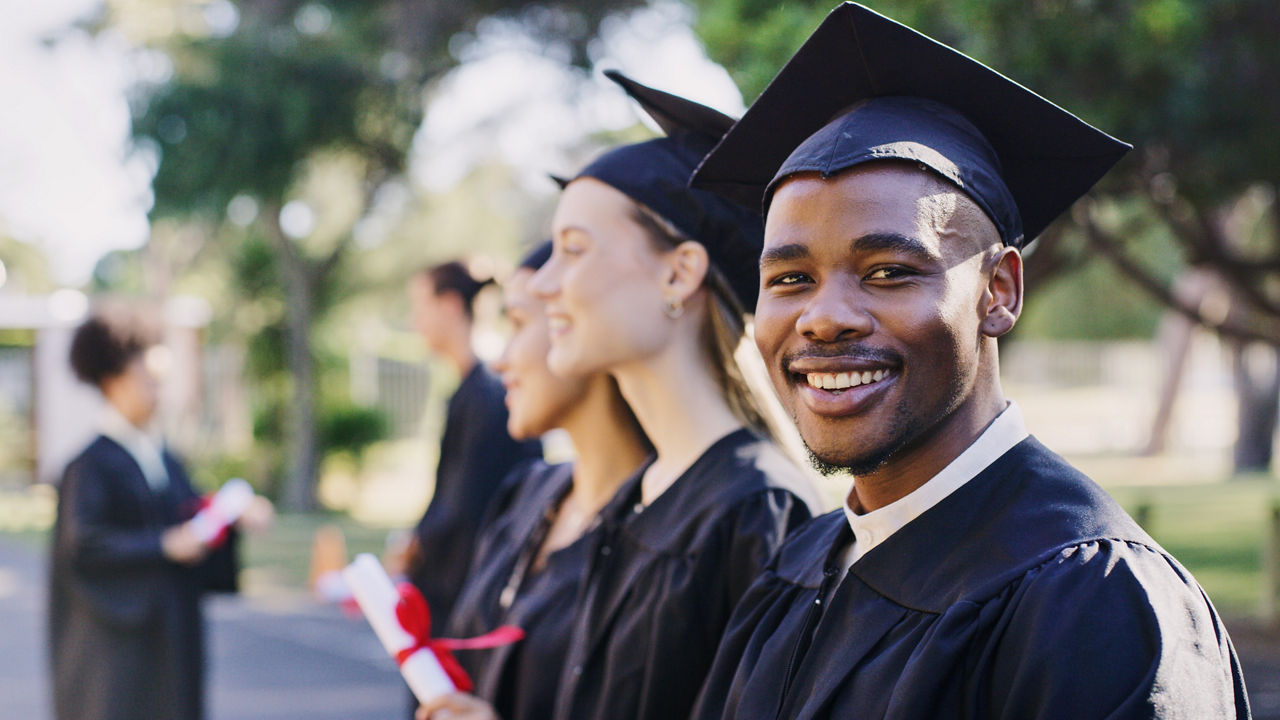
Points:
x=723 y=329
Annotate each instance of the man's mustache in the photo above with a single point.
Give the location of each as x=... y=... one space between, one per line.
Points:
x=845 y=351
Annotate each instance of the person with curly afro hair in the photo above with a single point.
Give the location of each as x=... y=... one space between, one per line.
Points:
x=126 y=632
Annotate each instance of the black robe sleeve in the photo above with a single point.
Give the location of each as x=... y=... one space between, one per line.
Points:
x=93 y=501
x=1110 y=629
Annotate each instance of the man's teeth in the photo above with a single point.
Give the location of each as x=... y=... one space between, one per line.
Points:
x=840 y=381
x=557 y=323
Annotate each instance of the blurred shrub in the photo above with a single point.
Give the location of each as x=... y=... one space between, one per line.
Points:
x=351 y=428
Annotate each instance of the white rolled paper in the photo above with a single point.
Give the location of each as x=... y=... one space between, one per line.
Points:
x=224 y=508
x=377 y=598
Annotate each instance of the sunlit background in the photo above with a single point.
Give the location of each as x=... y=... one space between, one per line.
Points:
x=254 y=170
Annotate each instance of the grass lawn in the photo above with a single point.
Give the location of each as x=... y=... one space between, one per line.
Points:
x=281 y=558
x=1216 y=530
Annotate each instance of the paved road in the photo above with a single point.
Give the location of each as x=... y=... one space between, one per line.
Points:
x=278 y=658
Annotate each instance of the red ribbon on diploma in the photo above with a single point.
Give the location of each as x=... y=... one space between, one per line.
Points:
x=415 y=618
x=203 y=503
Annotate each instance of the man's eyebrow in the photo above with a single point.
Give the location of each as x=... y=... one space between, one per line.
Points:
x=783 y=253
x=892 y=242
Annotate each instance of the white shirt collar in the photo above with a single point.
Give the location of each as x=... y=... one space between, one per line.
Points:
x=144 y=448
x=871 y=529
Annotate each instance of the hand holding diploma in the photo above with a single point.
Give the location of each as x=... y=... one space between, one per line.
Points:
x=456 y=706
x=223 y=509
x=402 y=621
x=182 y=546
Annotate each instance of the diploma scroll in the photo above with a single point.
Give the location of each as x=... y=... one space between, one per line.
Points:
x=224 y=508
x=378 y=598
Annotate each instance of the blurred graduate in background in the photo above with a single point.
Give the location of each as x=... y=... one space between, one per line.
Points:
x=128 y=569
x=532 y=555
x=476 y=451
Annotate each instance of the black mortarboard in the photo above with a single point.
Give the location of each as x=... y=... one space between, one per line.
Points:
x=655 y=173
x=865 y=88
x=536 y=257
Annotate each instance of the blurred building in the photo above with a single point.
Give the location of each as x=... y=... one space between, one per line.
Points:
x=48 y=415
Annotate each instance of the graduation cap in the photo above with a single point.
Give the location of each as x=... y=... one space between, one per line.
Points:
x=536 y=257
x=655 y=173
x=865 y=88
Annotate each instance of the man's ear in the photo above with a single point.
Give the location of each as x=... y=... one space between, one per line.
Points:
x=687 y=266
x=457 y=306
x=1002 y=300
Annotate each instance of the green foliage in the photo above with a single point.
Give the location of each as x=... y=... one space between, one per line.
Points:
x=26 y=269
x=119 y=271
x=1191 y=83
x=243 y=113
x=752 y=38
x=209 y=473
x=351 y=428
x=1096 y=301
x=17 y=338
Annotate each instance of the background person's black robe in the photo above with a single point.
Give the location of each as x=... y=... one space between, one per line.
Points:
x=663 y=580
x=476 y=453
x=520 y=680
x=1026 y=593
x=126 y=633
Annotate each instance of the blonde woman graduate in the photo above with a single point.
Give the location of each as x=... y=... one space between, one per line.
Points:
x=649 y=281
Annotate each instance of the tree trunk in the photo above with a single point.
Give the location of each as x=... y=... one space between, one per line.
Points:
x=1257 y=375
x=1176 y=331
x=299 y=491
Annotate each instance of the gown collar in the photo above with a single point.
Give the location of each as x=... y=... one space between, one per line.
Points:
x=871 y=529
x=660 y=524
x=141 y=445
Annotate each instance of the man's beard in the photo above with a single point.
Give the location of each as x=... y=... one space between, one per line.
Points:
x=904 y=429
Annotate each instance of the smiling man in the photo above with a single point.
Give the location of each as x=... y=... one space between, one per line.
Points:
x=972 y=572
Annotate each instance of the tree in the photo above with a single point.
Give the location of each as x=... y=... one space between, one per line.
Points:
x=248 y=112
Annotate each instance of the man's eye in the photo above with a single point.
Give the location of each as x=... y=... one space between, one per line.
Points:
x=788 y=279
x=889 y=273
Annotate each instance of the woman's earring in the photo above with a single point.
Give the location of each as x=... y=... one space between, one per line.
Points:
x=673 y=307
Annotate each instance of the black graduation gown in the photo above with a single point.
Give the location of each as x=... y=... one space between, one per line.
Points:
x=1026 y=593
x=126 y=633
x=520 y=680
x=663 y=580
x=476 y=453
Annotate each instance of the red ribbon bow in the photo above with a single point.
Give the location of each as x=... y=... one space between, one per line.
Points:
x=415 y=617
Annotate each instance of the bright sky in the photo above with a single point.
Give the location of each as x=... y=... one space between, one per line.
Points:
x=70 y=184
x=65 y=181
x=512 y=101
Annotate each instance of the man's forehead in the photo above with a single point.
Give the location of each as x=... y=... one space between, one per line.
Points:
x=882 y=199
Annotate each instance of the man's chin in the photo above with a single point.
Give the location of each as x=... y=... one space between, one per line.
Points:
x=835 y=462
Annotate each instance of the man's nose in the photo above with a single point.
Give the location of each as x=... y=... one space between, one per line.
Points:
x=835 y=312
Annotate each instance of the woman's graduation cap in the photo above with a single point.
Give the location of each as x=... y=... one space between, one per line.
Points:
x=655 y=173
x=865 y=88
